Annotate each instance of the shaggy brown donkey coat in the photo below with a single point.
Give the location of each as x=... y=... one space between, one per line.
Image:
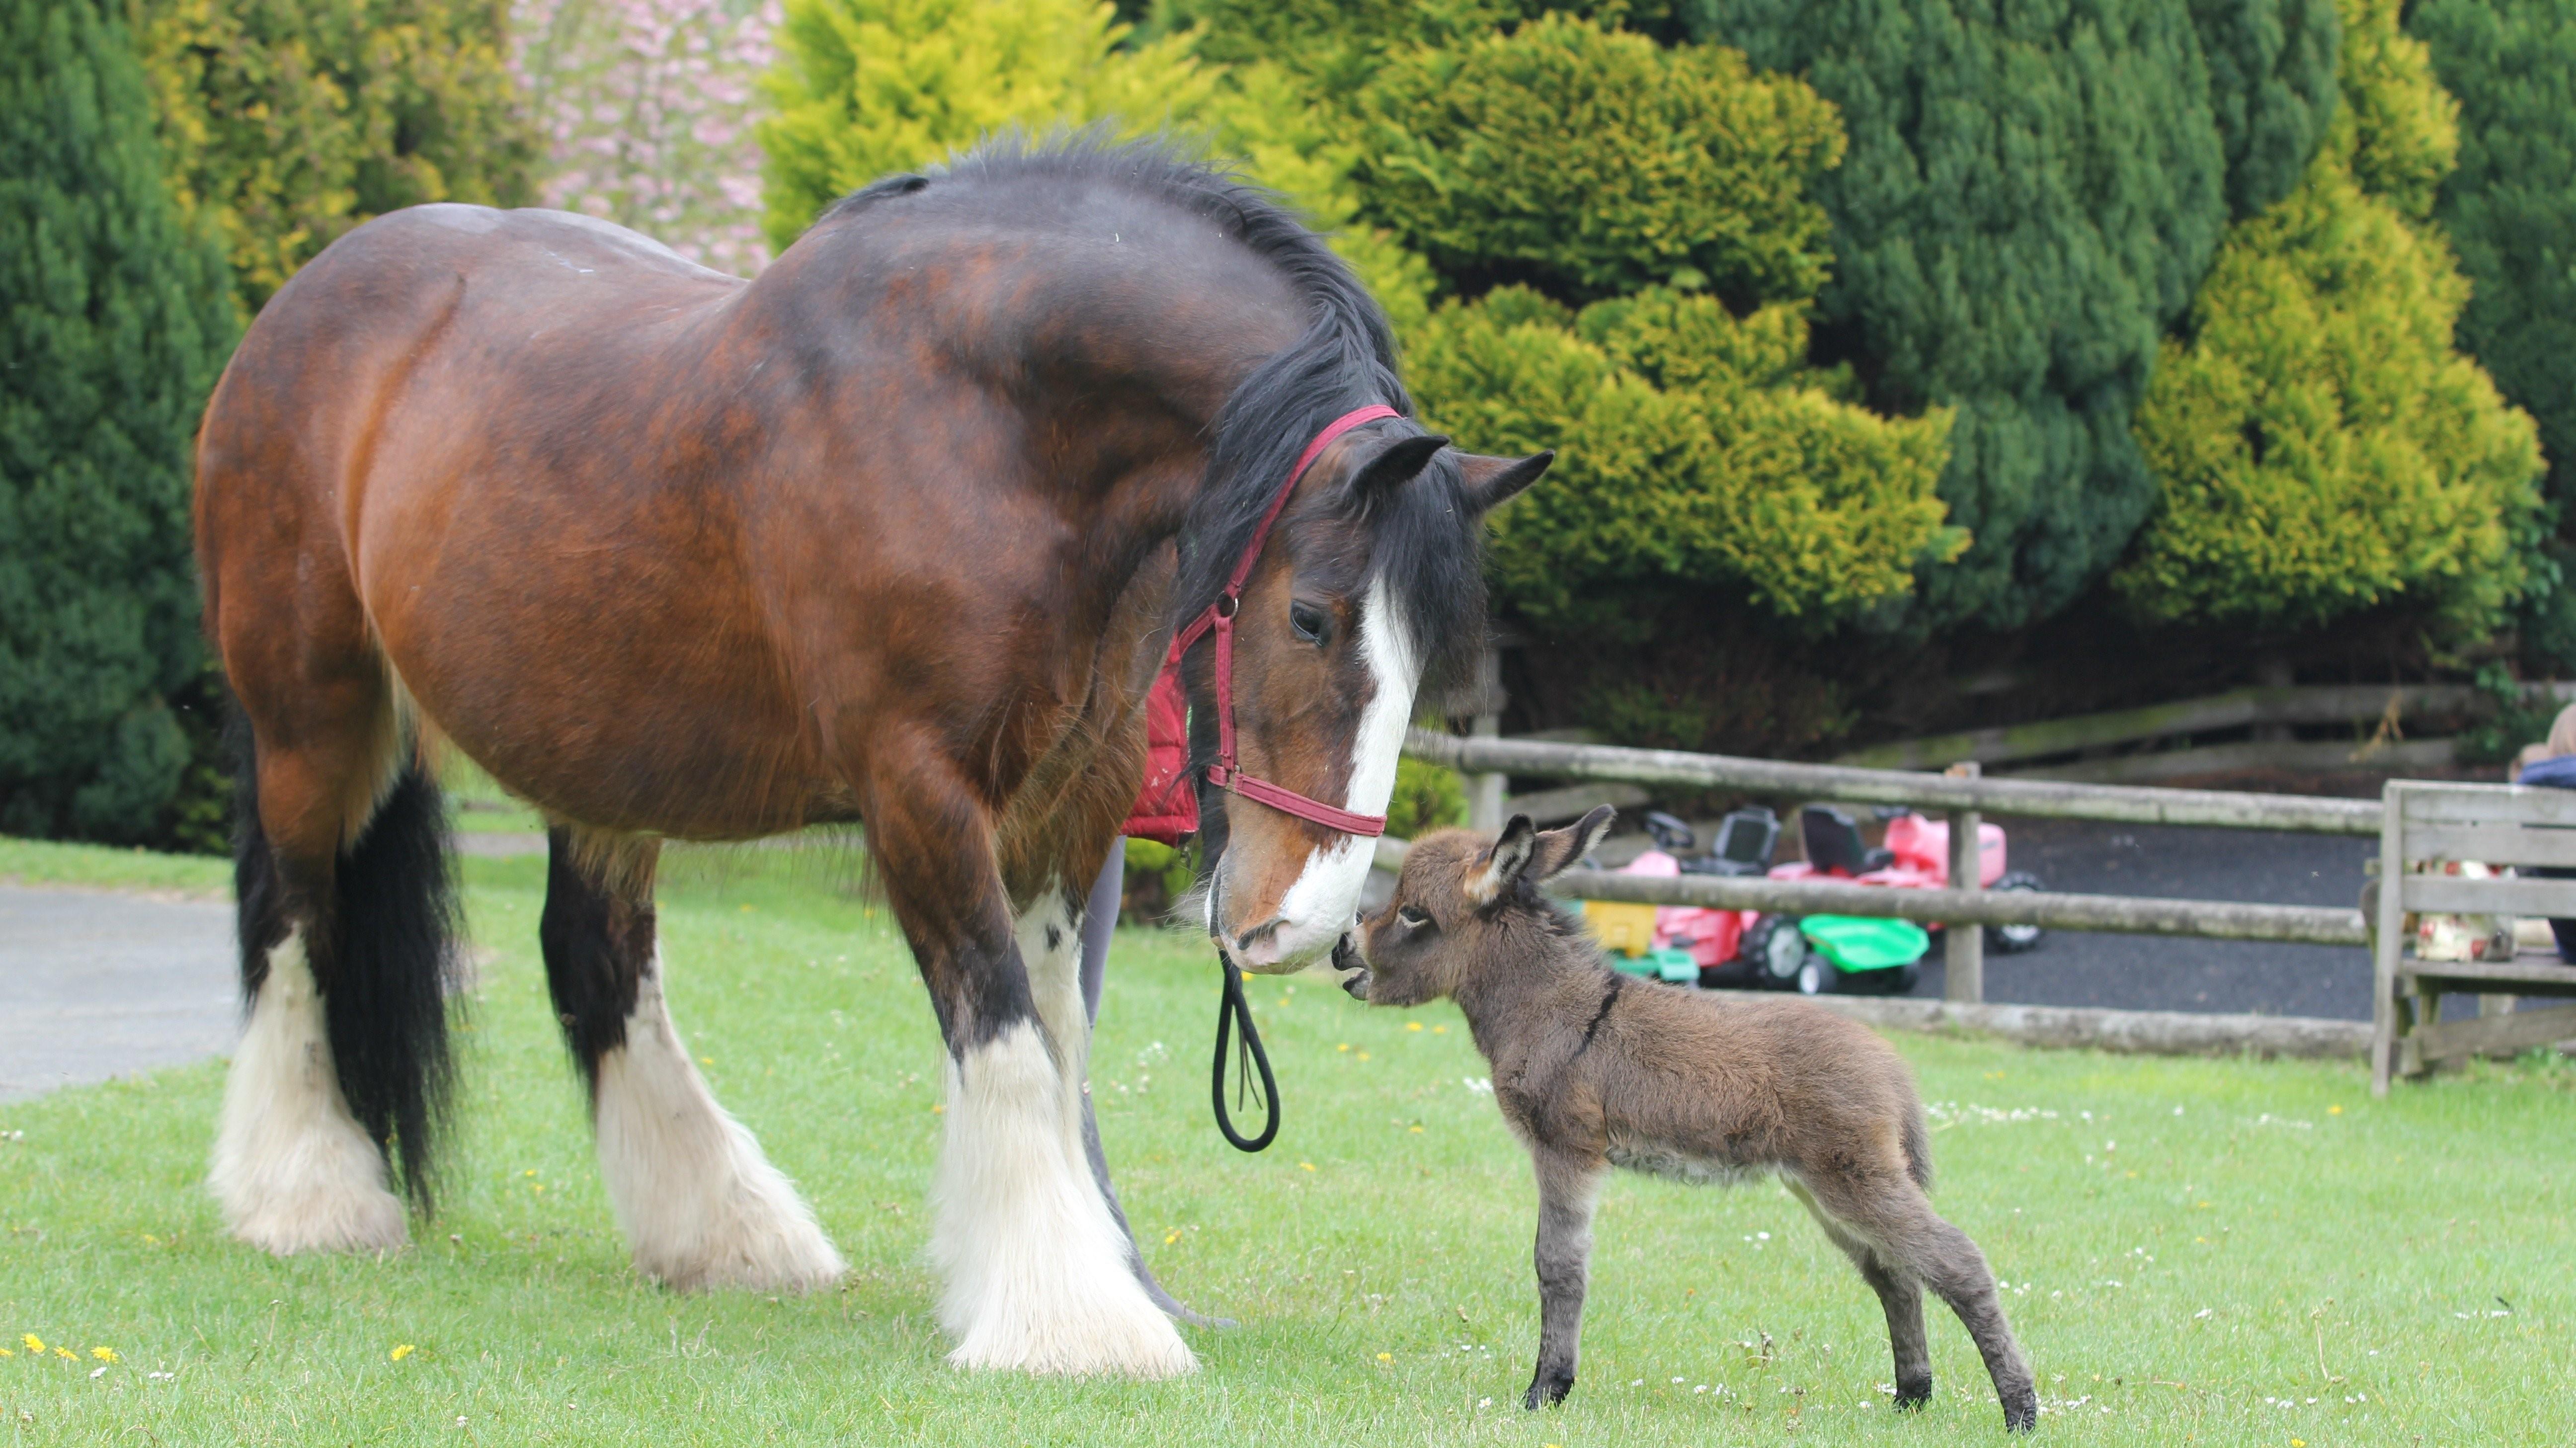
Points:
x=1594 y=1069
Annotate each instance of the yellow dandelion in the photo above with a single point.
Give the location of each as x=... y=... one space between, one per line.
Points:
x=710 y=1060
x=1305 y=1166
x=7 y=1352
x=33 y=1342
x=2298 y=1443
x=1416 y=1130
x=532 y=1171
x=1344 y=1046
x=1413 y=1025
x=103 y=1354
x=1386 y=1357
x=2334 y=1111
x=1363 y=1055
x=1171 y=1236
x=1439 y=1030
x=401 y=1350
x=67 y=1354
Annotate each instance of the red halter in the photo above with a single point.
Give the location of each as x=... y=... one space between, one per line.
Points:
x=1226 y=773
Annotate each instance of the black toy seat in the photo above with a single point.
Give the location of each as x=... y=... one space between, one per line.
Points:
x=1745 y=840
x=1834 y=843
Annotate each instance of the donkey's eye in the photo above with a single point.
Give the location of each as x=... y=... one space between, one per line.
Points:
x=1309 y=622
x=1412 y=917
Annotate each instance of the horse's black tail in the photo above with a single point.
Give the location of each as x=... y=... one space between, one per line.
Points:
x=380 y=958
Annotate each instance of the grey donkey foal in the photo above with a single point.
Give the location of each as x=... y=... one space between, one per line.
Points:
x=1594 y=1069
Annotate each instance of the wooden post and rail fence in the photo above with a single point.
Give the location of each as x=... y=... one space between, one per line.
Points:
x=2508 y=815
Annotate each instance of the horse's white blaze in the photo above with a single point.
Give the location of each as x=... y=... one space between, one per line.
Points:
x=293 y=1170
x=1037 y=1271
x=700 y=1205
x=1319 y=907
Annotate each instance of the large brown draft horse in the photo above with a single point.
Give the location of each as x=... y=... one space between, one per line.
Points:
x=897 y=533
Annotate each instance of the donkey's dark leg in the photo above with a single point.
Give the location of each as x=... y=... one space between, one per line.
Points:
x=1567 y=1189
x=1892 y=1210
x=699 y=1204
x=1099 y=920
x=1898 y=1292
x=1038 y=1275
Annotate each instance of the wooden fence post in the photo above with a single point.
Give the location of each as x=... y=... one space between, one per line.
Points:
x=1964 y=946
x=1485 y=791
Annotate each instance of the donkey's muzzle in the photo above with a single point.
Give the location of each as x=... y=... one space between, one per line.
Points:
x=1346 y=956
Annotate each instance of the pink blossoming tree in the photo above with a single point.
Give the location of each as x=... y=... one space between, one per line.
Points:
x=647 y=109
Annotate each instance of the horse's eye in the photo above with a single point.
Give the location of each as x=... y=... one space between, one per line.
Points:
x=1413 y=917
x=1308 y=621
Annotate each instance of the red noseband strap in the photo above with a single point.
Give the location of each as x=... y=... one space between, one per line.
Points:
x=1219 y=616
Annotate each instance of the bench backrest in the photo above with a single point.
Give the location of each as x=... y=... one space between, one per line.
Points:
x=2493 y=824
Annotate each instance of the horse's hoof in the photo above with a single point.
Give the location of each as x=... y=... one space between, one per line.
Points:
x=336 y=1218
x=1105 y=1343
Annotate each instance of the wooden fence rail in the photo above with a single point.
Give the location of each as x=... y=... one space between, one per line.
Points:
x=2117 y=914
x=2052 y=799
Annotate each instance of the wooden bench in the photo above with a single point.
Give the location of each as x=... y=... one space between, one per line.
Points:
x=2496 y=825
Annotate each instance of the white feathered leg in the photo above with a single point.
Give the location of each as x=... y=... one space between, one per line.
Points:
x=699 y=1203
x=293 y=1170
x=1037 y=1272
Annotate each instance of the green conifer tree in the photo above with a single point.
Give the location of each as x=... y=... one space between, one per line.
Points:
x=2321 y=445
x=2031 y=196
x=286 y=123
x=2510 y=209
x=114 y=319
x=865 y=88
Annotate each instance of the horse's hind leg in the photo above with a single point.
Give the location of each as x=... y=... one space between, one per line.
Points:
x=1898 y=1292
x=699 y=1203
x=345 y=920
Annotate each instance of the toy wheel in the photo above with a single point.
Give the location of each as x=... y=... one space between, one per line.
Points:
x=1816 y=977
x=2014 y=939
x=1776 y=949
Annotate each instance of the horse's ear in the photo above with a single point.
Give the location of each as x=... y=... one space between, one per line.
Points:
x=1504 y=862
x=1493 y=481
x=1395 y=465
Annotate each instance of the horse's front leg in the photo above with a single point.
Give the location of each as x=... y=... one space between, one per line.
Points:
x=1039 y=1275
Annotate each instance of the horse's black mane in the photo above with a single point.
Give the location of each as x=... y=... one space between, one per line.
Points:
x=1424 y=539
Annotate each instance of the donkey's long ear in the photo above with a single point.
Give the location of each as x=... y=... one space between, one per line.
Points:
x=1558 y=850
x=1394 y=465
x=1492 y=873
x=1492 y=481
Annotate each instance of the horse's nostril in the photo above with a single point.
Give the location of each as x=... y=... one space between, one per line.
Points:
x=1258 y=933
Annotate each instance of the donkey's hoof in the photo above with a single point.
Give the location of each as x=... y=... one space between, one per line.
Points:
x=1910 y=1396
x=2021 y=1411
x=1548 y=1389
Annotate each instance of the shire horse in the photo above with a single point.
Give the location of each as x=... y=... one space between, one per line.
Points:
x=900 y=533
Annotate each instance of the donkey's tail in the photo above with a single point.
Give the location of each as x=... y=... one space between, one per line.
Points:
x=1918 y=1146
x=380 y=957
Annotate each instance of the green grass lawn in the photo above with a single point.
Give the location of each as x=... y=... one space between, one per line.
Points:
x=2199 y=1252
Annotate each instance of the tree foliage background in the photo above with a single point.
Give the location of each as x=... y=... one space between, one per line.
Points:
x=115 y=316
x=288 y=122
x=2509 y=207
x=2322 y=445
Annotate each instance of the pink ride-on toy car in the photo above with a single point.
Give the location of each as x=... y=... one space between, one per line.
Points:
x=1746 y=949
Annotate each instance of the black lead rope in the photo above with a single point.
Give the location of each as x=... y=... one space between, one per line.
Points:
x=1231 y=1012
